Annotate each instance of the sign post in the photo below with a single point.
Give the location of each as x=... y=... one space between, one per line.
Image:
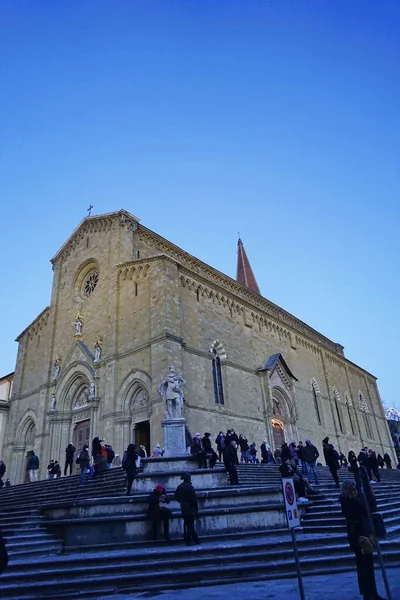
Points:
x=293 y=521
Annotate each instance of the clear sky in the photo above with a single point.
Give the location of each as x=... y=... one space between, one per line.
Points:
x=279 y=119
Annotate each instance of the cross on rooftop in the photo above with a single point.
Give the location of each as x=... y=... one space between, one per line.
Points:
x=89 y=210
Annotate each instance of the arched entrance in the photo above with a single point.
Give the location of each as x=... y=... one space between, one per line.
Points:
x=278 y=433
x=140 y=421
x=29 y=446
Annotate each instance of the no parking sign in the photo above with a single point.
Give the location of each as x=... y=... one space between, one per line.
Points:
x=289 y=497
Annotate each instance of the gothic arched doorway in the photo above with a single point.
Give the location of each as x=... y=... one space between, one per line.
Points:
x=278 y=433
x=29 y=445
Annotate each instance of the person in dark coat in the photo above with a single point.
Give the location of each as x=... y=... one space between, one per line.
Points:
x=244 y=449
x=3 y=555
x=286 y=455
x=185 y=494
x=310 y=454
x=57 y=470
x=158 y=511
x=381 y=462
x=198 y=451
x=373 y=465
x=69 y=458
x=211 y=455
x=220 y=442
x=188 y=440
x=358 y=524
x=83 y=460
x=388 y=460
x=264 y=453
x=129 y=465
x=278 y=456
x=110 y=455
x=99 y=457
x=2 y=471
x=332 y=460
x=230 y=462
x=363 y=483
x=363 y=459
x=33 y=466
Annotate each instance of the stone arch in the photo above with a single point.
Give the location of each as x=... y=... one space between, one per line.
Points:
x=26 y=429
x=281 y=405
x=364 y=408
x=134 y=406
x=134 y=381
x=76 y=377
x=217 y=348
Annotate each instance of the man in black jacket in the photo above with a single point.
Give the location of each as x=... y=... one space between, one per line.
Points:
x=309 y=455
x=69 y=458
x=332 y=459
x=185 y=494
x=230 y=462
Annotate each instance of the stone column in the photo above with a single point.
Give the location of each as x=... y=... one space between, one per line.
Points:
x=18 y=466
x=174 y=437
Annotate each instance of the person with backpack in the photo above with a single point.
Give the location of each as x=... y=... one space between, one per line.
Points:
x=309 y=455
x=69 y=458
x=110 y=455
x=220 y=442
x=129 y=465
x=332 y=458
x=83 y=460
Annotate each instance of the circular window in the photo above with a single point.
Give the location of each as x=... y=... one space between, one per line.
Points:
x=86 y=281
x=90 y=283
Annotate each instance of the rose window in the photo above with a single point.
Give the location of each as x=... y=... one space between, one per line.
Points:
x=90 y=283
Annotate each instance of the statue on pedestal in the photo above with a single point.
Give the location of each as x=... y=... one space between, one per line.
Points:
x=171 y=391
x=97 y=349
x=78 y=324
x=53 y=403
x=57 y=367
x=92 y=391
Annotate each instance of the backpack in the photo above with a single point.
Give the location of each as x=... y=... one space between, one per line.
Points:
x=78 y=459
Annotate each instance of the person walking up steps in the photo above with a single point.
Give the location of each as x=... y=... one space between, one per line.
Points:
x=309 y=455
x=69 y=458
x=332 y=460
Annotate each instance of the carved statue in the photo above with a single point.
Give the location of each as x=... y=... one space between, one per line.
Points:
x=171 y=391
x=57 y=367
x=92 y=391
x=53 y=403
x=97 y=349
x=78 y=324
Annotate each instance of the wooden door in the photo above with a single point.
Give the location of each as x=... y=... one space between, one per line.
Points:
x=81 y=435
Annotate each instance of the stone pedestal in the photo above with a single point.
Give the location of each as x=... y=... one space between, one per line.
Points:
x=174 y=437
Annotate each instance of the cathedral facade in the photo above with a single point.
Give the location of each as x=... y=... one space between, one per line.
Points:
x=125 y=305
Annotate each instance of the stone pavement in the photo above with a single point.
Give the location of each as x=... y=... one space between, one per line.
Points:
x=341 y=586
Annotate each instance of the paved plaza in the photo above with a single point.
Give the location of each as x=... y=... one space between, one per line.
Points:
x=342 y=586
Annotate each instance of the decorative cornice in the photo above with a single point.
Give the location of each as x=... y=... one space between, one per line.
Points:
x=36 y=324
x=194 y=265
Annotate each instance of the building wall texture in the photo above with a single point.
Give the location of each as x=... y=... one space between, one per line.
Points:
x=155 y=305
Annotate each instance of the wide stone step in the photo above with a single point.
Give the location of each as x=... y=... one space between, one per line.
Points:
x=160 y=574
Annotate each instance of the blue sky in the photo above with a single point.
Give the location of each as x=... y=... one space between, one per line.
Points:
x=278 y=119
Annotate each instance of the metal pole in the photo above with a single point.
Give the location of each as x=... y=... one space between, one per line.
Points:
x=296 y=558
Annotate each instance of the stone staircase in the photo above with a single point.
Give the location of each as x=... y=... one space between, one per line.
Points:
x=39 y=571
